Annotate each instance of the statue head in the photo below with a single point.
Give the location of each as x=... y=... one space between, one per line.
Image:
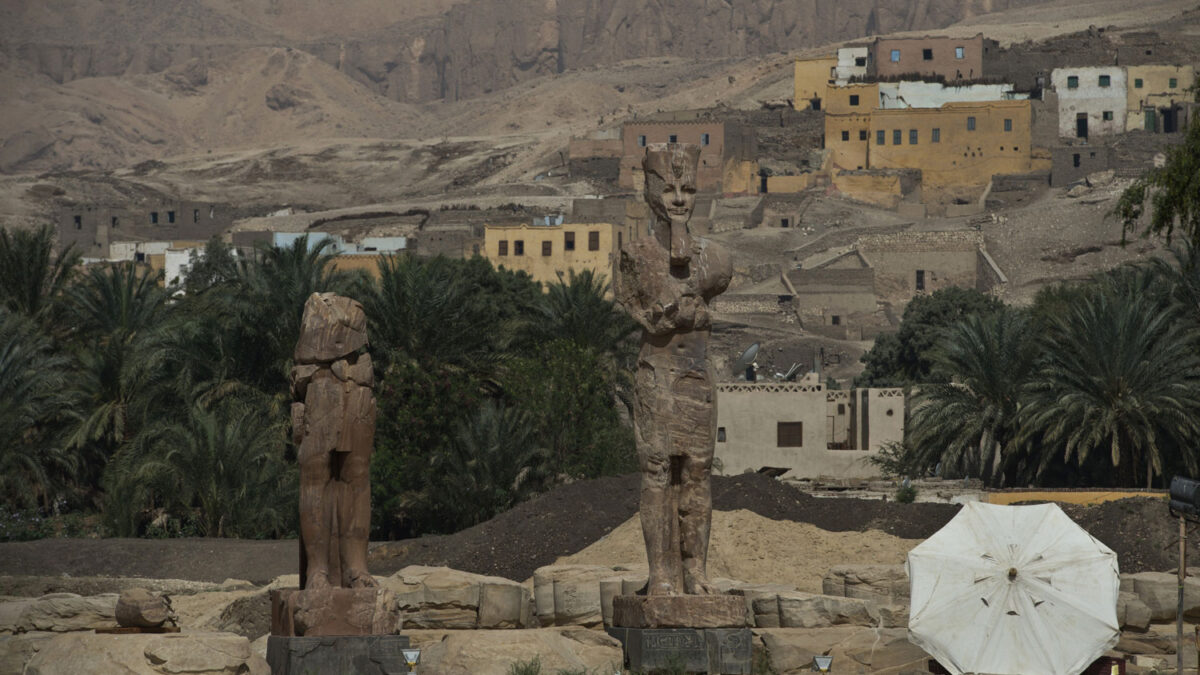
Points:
x=670 y=170
x=332 y=327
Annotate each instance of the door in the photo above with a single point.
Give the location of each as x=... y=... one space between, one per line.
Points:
x=1169 y=126
x=1081 y=130
x=1151 y=120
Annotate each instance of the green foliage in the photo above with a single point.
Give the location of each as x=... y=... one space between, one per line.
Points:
x=906 y=494
x=1173 y=191
x=905 y=357
x=32 y=277
x=213 y=266
x=898 y=460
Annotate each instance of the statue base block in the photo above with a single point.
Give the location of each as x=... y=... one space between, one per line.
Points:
x=717 y=651
x=354 y=654
x=679 y=611
x=334 y=611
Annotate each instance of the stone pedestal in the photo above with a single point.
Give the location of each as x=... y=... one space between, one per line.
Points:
x=698 y=633
x=717 y=651
x=349 y=655
x=334 y=612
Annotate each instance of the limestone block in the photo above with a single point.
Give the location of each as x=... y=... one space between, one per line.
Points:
x=577 y=603
x=792 y=649
x=11 y=610
x=567 y=648
x=192 y=653
x=808 y=610
x=504 y=605
x=62 y=612
x=752 y=591
x=609 y=589
x=1159 y=591
x=885 y=651
x=633 y=578
x=880 y=583
x=16 y=650
x=440 y=597
x=246 y=613
x=680 y=611
x=1147 y=643
x=1132 y=613
x=334 y=611
x=892 y=616
x=139 y=607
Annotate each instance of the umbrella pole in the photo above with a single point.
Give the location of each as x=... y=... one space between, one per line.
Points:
x=1179 y=609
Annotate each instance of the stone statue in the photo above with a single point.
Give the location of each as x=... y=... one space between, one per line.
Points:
x=665 y=282
x=333 y=425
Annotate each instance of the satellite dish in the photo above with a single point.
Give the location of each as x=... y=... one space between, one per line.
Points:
x=746 y=360
x=791 y=373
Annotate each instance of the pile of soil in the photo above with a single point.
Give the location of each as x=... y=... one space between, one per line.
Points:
x=564 y=521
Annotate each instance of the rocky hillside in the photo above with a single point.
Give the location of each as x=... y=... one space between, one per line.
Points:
x=438 y=49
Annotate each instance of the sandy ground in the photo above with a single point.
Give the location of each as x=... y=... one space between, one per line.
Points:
x=748 y=547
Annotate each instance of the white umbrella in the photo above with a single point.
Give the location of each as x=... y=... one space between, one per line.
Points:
x=1018 y=590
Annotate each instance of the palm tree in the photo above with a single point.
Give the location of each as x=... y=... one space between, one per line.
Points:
x=116 y=303
x=1120 y=372
x=32 y=376
x=225 y=467
x=576 y=309
x=968 y=420
x=32 y=277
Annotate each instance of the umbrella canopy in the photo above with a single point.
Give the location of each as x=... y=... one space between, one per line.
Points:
x=1018 y=590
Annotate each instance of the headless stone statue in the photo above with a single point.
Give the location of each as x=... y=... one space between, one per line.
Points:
x=665 y=282
x=333 y=425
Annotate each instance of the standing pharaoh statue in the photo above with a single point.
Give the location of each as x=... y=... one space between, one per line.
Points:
x=666 y=282
x=333 y=425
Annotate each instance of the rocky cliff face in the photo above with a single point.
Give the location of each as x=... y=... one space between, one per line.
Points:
x=480 y=45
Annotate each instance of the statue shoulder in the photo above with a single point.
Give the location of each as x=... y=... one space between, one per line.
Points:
x=717 y=267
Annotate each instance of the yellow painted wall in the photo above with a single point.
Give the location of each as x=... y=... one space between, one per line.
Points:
x=853 y=120
x=811 y=78
x=1085 y=497
x=880 y=190
x=1156 y=90
x=962 y=156
x=837 y=99
x=351 y=263
x=790 y=184
x=548 y=269
x=739 y=177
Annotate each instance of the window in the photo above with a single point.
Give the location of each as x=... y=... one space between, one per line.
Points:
x=958 y=52
x=784 y=222
x=170 y=216
x=895 y=56
x=912 y=136
x=862 y=134
x=154 y=217
x=568 y=241
x=703 y=139
x=835 y=320
x=79 y=222
x=860 y=61
x=1107 y=115
x=519 y=247
x=503 y=248
x=896 y=136
x=116 y=222
x=1073 y=82
x=970 y=124
x=935 y=136
x=720 y=434
x=1137 y=83
x=789 y=434
x=920 y=280
x=546 y=248
x=1075 y=160
x=841 y=409
x=853 y=99
x=594 y=240
x=927 y=54
x=195 y=215
x=1105 y=81
x=845 y=135
x=1172 y=83
x=880 y=137
x=1008 y=125
x=672 y=138
x=642 y=141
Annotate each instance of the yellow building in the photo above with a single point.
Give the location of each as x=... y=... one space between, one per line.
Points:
x=958 y=144
x=1152 y=92
x=848 y=112
x=811 y=77
x=548 y=253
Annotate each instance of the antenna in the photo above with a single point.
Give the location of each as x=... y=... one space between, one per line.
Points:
x=790 y=375
x=745 y=362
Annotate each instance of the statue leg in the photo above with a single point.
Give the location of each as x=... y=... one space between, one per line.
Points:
x=695 y=516
x=316 y=503
x=354 y=514
x=660 y=526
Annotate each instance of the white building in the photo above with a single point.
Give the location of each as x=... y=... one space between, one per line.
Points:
x=176 y=264
x=851 y=62
x=895 y=95
x=1091 y=100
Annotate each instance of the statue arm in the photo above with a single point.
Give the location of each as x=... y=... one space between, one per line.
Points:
x=631 y=292
x=717 y=271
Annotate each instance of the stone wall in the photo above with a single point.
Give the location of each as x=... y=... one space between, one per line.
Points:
x=92 y=229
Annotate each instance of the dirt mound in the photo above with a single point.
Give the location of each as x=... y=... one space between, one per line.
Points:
x=748 y=547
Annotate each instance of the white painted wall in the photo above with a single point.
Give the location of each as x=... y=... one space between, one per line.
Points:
x=845 y=63
x=1091 y=99
x=383 y=244
x=176 y=264
x=894 y=95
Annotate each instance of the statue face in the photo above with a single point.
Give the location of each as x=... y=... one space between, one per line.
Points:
x=672 y=199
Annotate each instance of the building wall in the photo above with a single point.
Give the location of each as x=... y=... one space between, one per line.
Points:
x=548 y=269
x=92 y=229
x=943 y=61
x=878 y=188
x=1155 y=91
x=811 y=77
x=790 y=184
x=452 y=242
x=852 y=62
x=962 y=156
x=1089 y=158
x=915 y=94
x=948 y=258
x=1091 y=100
x=726 y=141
